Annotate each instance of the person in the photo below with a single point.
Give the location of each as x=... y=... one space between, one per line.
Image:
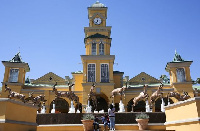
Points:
x=105 y=121
x=111 y=113
x=96 y=123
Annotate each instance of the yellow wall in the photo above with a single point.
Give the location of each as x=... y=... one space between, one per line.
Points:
x=78 y=78
x=21 y=76
x=117 y=80
x=88 y=46
x=16 y=127
x=183 y=115
x=98 y=68
x=19 y=113
x=79 y=127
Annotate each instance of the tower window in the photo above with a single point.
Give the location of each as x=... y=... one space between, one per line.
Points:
x=94 y=52
x=13 y=75
x=180 y=74
x=91 y=73
x=104 y=73
x=101 y=49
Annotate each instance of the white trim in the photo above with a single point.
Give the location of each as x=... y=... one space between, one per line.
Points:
x=183 y=121
x=182 y=102
x=95 y=71
x=108 y=73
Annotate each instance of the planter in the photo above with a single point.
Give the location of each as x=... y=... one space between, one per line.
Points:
x=88 y=125
x=142 y=123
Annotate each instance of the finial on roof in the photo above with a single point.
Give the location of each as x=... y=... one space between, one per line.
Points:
x=177 y=57
x=17 y=58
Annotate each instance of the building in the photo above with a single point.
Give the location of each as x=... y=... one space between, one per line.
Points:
x=97 y=68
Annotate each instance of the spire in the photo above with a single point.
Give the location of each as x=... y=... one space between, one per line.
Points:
x=177 y=57
x=17 y=58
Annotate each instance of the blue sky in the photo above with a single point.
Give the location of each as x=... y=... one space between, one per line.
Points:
x=145 y=34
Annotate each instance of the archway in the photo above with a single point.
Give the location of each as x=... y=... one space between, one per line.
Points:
x=101 y=104
x=140 y=107
x=61 y=105
x=159 y=102
x=79 y=107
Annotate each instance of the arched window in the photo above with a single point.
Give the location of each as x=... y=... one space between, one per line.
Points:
x=101 y=48
x=94 y=52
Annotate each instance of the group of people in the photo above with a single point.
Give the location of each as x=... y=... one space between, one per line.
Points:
x=108 y=120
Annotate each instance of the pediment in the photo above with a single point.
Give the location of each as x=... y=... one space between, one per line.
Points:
x=97 y=14
x=143 y=78
x=50 y=78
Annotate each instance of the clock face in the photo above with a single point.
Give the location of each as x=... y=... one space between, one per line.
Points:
x=97 y=21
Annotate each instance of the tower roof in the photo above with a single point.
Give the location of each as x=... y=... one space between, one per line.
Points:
x=17 y=58
x=177 y=58
x=16 y=61
x=98 y=4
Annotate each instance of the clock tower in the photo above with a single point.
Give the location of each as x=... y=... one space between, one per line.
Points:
x=97 y=62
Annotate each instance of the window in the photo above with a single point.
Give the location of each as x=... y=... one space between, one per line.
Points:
x=180 y=74
x=101 y=49
x=94 y=49
x=91 y=73
x=104 y=73
x=13 y=75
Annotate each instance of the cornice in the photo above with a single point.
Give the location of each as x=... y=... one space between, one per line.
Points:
x=178 y=64
x=97 y=57
x=97 y=29
x=98 y=84
x=16 y=65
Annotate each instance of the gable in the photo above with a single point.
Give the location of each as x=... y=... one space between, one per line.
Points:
x=50 y=78
x=143 y=78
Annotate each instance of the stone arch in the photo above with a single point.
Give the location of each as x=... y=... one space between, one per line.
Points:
x=61 y=105
x=159 y=101
x=140 y=107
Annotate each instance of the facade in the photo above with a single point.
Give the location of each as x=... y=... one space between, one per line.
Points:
x=97 y=68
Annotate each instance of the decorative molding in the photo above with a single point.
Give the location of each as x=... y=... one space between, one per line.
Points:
x=97 y=29
x=99 y=14
x=178 y=64
x=97 y=57
x=14 y=65
x=183 y=121
x=98 y=84
x=13 y=84
x=176 y=83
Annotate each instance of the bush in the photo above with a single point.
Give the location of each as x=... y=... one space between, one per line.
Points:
x=142 y=116
x=88 y=116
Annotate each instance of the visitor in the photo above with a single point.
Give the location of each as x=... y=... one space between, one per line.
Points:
x=105 y=121
x=111 y=113
x=96 y=123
